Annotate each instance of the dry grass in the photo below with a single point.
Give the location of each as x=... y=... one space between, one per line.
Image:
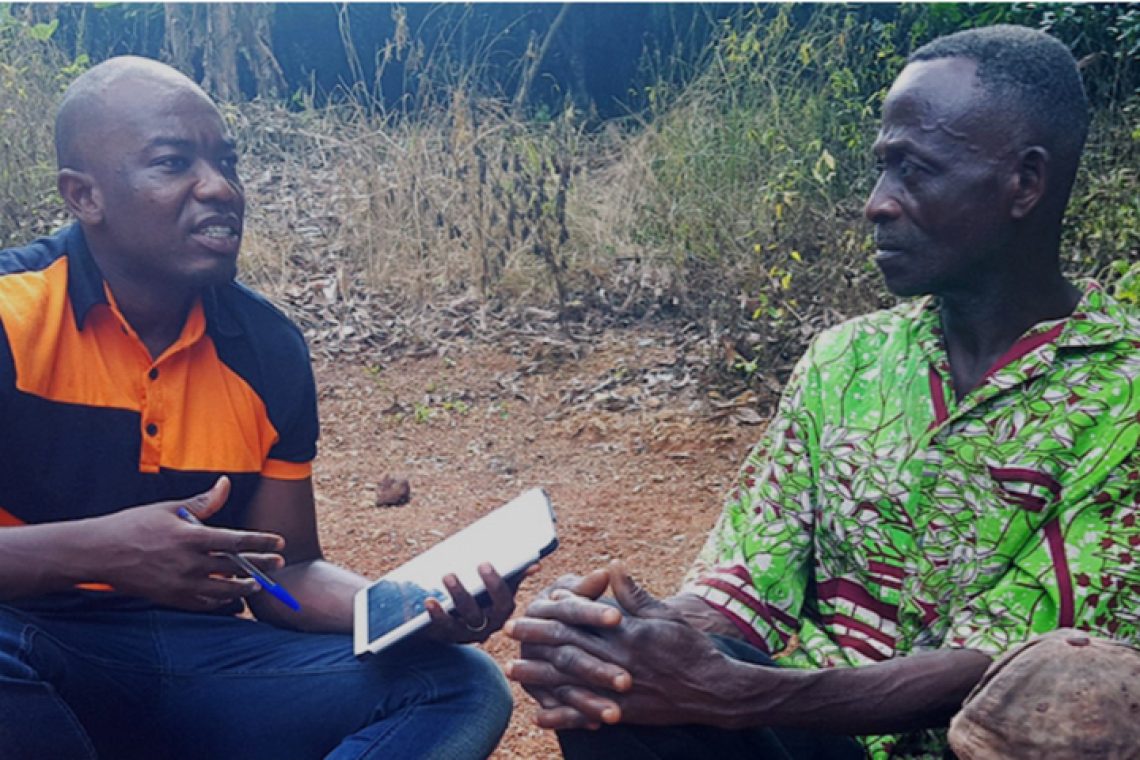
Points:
x=735 y=205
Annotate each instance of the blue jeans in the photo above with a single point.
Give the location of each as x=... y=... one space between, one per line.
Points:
x=173 y=685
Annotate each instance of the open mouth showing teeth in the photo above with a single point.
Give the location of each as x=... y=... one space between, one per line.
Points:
x=218 y=231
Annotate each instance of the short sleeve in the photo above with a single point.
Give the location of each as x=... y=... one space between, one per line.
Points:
x=295 y=418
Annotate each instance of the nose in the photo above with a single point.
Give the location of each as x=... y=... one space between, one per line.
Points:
x=215 y=184
x=881 y=205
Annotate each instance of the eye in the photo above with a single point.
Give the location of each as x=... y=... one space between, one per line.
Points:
x=229 y=163
x=173 y=163
x=908 y=168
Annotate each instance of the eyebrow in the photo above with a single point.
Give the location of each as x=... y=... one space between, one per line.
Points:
x=898 y=145
x=184 y=144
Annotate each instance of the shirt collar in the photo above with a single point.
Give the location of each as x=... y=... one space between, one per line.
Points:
x=84 y=280
x=1098 y=320
x=85 y=288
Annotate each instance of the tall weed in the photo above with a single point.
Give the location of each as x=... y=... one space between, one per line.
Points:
x=33 y=74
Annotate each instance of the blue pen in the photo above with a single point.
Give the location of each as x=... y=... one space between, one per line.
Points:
x=266 y=582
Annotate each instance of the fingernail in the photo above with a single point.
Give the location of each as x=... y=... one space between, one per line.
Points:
x=509 y=627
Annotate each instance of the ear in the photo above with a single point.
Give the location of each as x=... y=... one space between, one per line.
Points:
x=1031 y=180
x=81 y=194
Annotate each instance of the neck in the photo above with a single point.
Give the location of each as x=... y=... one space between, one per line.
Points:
x=982 y=323
x=156 y=313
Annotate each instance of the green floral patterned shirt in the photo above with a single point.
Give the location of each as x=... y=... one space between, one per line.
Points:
x=879 y=515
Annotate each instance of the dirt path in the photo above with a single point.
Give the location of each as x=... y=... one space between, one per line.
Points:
x=471 y=430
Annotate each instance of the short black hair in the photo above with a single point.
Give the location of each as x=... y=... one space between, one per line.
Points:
x=1032 y=75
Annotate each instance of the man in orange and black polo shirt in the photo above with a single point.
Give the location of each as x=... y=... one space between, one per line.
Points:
x=137 y=378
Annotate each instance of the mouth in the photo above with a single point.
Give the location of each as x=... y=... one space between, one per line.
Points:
x=883 y=253
x=886 y=248
x=221 y=236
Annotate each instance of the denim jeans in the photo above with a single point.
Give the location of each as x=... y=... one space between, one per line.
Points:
x=688 y=742
x=173 y=685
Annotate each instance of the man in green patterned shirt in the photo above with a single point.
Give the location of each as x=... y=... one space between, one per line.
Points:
x=943 y=480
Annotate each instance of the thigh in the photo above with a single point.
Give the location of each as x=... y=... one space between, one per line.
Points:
x=239 y=688
x=68 y=696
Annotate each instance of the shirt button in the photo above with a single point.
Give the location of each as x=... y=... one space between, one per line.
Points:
x=153 y=374
x=152 y=429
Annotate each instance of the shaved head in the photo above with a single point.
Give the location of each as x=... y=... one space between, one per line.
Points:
x=93 y=97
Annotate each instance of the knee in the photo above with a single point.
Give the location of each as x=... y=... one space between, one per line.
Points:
x=12 y=664
x=481 y=681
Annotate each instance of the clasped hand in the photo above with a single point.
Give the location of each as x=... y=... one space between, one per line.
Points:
x=588 y=662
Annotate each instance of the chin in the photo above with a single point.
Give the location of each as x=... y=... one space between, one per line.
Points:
x=219 y=274
x=904 y=289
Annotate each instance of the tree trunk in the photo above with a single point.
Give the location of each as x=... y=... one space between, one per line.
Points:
x=256 y=22
x=179 y=50
x=219 y=56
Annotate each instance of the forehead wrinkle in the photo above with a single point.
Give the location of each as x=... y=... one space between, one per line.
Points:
x=967 y=127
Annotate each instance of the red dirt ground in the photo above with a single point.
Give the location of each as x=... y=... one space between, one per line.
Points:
x=643 y=484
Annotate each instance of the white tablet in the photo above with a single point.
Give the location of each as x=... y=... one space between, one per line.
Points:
x=511 y=538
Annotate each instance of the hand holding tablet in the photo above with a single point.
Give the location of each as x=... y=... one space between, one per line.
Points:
x=510 y=539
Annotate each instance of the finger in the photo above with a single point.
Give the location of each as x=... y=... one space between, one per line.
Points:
x=205 y=504
x=575 y=610
x=531 y=630
x=223 y=564
x=571 y=707
x=562 y=718
x=214 y=587
x=439 y=616
x=266 y=563
x=501 y=595
x=446 y=627
x=633 y=598
x=236 y=541
x=595 y=707
x=544 y=696
x=593 y=584
x=466 y=607
x=567 y=666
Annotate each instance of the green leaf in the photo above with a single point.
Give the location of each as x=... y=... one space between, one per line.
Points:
x=43 y=32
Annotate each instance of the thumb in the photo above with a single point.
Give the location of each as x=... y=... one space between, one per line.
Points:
x=593 y=584
x=204 y=505
x=633 y=598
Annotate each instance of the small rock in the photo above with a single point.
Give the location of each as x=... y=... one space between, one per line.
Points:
x=392 y=492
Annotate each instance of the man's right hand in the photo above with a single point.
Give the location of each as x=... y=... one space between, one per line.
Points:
x=151 y=552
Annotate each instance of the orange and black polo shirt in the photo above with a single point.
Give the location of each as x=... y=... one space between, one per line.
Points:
x=91 y=424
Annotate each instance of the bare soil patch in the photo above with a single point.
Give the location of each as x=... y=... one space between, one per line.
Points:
x=635 y=461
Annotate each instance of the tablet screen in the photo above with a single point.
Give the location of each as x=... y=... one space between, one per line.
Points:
x=393 y=603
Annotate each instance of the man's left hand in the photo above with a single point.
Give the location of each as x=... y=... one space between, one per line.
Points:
x=471 y=622
x=644 y=665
